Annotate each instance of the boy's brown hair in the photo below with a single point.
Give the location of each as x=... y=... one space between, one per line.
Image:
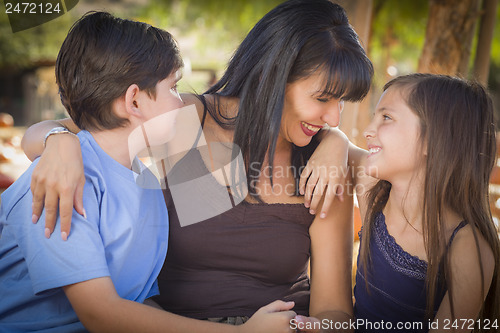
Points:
x=101 y=57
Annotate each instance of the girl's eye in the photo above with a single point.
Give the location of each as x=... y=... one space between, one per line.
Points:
x=323 y=100
x=386 y=117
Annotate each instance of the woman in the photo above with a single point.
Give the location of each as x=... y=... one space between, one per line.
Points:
x=286 y=81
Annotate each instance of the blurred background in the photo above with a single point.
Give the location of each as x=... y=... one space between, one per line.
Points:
x=457 y=37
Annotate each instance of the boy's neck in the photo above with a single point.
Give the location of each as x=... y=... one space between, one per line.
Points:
x=115 y=143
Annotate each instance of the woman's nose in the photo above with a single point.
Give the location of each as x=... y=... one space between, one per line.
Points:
x=332 y=115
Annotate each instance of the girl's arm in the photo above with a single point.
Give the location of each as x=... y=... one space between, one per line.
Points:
x=58 y=178
x=100 y=309
x=466 y=283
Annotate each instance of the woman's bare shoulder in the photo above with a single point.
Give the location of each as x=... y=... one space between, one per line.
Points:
x=192 y=99
x=196 y=100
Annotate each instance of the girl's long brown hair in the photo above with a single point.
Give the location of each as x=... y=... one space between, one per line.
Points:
x=457 y=122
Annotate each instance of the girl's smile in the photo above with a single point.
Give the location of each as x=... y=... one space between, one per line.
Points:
x=372 y=149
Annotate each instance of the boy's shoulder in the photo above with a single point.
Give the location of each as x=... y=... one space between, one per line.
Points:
x=98 y=166
x=18 y=189
x=108 y=172
x=93 y=163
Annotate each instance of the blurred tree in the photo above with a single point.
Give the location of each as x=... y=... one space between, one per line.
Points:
x=360 y=15
x=396 y=31
x=398 y=35
x=483 y=50
x=450 y=29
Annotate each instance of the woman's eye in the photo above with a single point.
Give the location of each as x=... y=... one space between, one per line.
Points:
x=323 y=100
x=386 y=117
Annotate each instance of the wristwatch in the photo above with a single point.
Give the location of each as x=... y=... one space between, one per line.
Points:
x=57 y=130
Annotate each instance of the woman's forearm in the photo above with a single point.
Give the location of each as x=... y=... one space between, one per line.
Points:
x=356 y=161
x=32 y=142
x=335 y=138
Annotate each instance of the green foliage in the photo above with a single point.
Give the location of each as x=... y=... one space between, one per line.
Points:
x=494 y=77
x=233 y=17
x=41 y=43
x=211 y=29
x=495 y=46
x=398 y=36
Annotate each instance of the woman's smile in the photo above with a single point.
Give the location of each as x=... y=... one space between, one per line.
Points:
x=310 y=129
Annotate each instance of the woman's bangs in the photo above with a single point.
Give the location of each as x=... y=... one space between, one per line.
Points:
x=348 y=78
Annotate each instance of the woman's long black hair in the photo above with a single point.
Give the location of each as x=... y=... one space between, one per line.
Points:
x=292 y=41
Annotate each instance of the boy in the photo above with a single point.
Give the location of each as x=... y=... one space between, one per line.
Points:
x=113 y=76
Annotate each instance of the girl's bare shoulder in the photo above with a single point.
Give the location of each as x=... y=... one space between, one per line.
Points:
x=463 y=253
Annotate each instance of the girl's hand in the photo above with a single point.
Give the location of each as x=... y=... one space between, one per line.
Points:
x=325 y=172
x=57 y=182
x=274 y=317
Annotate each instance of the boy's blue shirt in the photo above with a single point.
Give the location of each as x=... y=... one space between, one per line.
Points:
x=124 y=237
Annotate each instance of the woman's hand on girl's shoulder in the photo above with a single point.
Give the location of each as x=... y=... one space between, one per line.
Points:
x=325 y=173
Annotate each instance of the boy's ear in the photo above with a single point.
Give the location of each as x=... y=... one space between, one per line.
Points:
x=132 y=100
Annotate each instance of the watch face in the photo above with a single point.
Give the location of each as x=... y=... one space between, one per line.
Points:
x=59 y=130
x=56 y=130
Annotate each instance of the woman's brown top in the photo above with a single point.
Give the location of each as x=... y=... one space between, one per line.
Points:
x=234 y=263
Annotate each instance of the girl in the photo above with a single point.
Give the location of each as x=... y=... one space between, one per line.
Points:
x=429 y=249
